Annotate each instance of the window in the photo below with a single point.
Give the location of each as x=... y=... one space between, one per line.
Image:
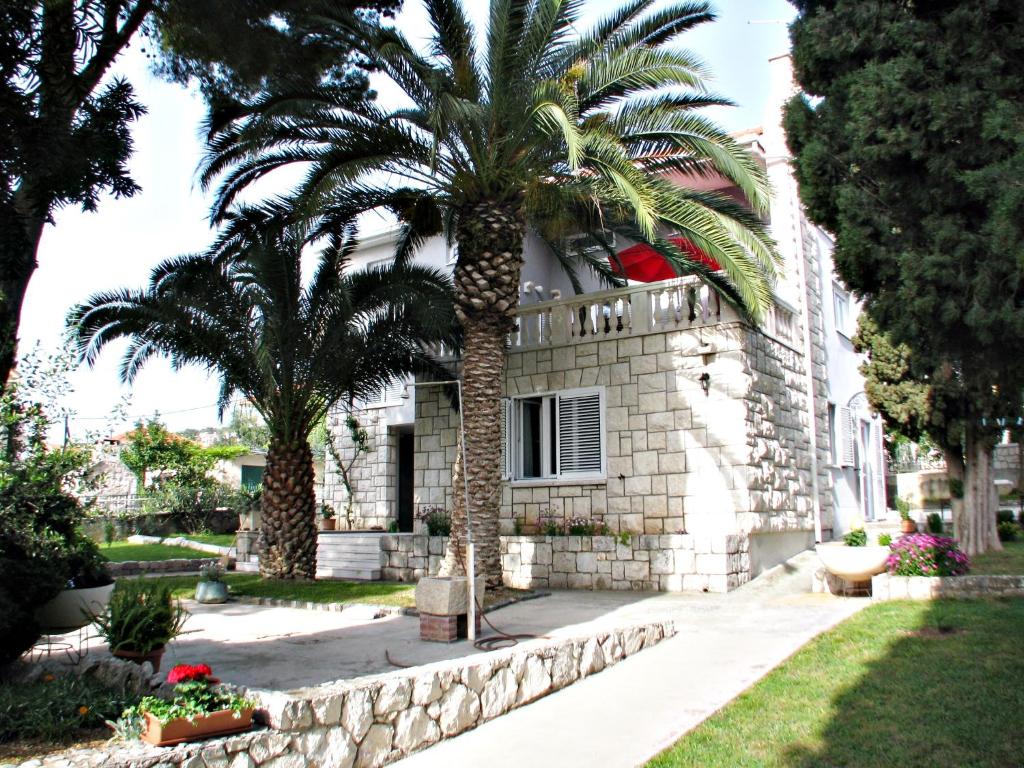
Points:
x=833 y=434
x=555 y=436
x=389 y=395
x=841 y=309
x=252 y=477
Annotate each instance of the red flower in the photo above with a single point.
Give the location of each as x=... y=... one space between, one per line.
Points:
x=184 y=672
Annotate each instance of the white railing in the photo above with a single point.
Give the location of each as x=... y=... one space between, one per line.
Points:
x=677 y=304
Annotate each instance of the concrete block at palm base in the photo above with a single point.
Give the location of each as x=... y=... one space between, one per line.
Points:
x=446 y=595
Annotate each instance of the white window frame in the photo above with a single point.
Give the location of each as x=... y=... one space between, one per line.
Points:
x=841 y=309
x=512 y=452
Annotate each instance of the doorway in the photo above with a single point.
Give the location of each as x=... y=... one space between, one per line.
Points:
x=406 y=456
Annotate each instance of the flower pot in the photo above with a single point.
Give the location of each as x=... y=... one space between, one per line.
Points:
x=153 y=657
x=908 y=526
x=71 y=609
x=328 y=523
x=211 y=592
x=853 y=563
x=181 y=729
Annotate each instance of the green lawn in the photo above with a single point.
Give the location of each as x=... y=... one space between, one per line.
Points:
x=877 y=691
x=1008 y=562
x=220 y=539
x=250 y=584
x=120 y=551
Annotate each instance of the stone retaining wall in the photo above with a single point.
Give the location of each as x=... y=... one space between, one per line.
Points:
x=886 y=587
x=668 y=563
x=137 y=567
x=374 y=721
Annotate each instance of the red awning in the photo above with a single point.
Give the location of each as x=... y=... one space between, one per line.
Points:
x=642 y=263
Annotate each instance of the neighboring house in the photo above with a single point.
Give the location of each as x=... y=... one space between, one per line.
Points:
x=246 y=471
x=655 y=409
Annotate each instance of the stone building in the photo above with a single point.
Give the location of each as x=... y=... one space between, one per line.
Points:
x=653 y=410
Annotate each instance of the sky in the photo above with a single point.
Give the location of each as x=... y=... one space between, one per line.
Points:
x=117 y=246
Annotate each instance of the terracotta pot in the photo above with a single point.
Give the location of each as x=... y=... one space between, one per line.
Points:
x=328 y=523
x=181 y=729
x=153 y=657
x=908 y=526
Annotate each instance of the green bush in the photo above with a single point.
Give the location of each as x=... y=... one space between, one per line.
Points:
x=858 y=537
x=53 y=709
x=1004 y=516
x=884 y=539
x=935 y=523
x=437 y=519
x=41 y=548
x=1007 y=531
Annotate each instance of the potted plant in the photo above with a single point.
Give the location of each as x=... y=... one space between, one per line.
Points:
x=327 y=513
x=199 y=708
x=87 y=591
x=907 y=525
x=853 y=559
x=211 y=588
x=140 y=619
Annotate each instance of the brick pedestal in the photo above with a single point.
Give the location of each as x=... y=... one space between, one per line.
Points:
x=445 y=629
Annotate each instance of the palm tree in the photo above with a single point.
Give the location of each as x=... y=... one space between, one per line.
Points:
x=545 y=127
x=292 y=349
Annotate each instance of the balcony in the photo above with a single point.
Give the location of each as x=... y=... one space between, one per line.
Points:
x=682 y=303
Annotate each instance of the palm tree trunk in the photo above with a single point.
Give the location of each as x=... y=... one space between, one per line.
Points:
x=288 y=533
x=490 y=239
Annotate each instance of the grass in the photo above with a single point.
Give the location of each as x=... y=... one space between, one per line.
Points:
x=37 y=717
x=888 y=687
x=1009 y=562
x=119 y=551
x=220 y=539
x=251 y=585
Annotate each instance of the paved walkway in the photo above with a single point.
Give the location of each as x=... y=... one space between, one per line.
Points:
x=625 y=715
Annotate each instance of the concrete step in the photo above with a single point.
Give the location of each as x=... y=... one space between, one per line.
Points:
x=357 y=550
x=356 y=574
x=349 y=562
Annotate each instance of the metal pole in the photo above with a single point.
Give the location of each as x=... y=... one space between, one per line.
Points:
x=470 y=548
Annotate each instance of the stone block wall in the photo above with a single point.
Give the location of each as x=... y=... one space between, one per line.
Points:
x=667 y=563
x=374 y=721
x=374 y=473
x=410 y=556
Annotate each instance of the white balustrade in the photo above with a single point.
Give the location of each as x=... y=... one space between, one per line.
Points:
x=675 y=304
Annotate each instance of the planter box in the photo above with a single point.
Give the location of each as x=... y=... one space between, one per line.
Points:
x=204 y=726
x=887 y=587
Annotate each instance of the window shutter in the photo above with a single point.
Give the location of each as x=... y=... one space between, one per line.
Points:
x=580 y=434
x=847 y=437
x=506 y=438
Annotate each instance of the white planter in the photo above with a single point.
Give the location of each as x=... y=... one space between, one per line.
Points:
x=66 y=612
x=853 y=563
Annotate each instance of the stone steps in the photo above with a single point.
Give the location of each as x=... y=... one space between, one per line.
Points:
x=354 y=574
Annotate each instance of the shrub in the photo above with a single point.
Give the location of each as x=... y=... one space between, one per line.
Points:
x=1020 y=518
x=437 y=519
x=903 y=507
x=884 y=539
x=1004 y=516
x=925 y=554
x=935 y=523
x=549 y=526
x=41 y=548
x=1007 y=531
x=53 y=709
x=142 y=616
x=858 y=537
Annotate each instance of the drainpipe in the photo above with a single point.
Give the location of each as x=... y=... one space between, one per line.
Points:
x=809 y=370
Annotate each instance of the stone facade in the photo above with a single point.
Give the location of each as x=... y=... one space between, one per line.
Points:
x=734 y=461
x=373 y=474
x=373 y=721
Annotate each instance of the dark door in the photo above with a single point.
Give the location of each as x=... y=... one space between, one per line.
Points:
x=405 y=490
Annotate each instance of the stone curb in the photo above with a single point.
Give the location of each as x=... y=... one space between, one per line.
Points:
x=886 y=587
x=138 y=567
x=382 y=610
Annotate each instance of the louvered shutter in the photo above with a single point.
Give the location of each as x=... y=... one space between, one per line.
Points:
x=847 y=437
x=580 y=434
x=392 y=392
x=506 y=438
